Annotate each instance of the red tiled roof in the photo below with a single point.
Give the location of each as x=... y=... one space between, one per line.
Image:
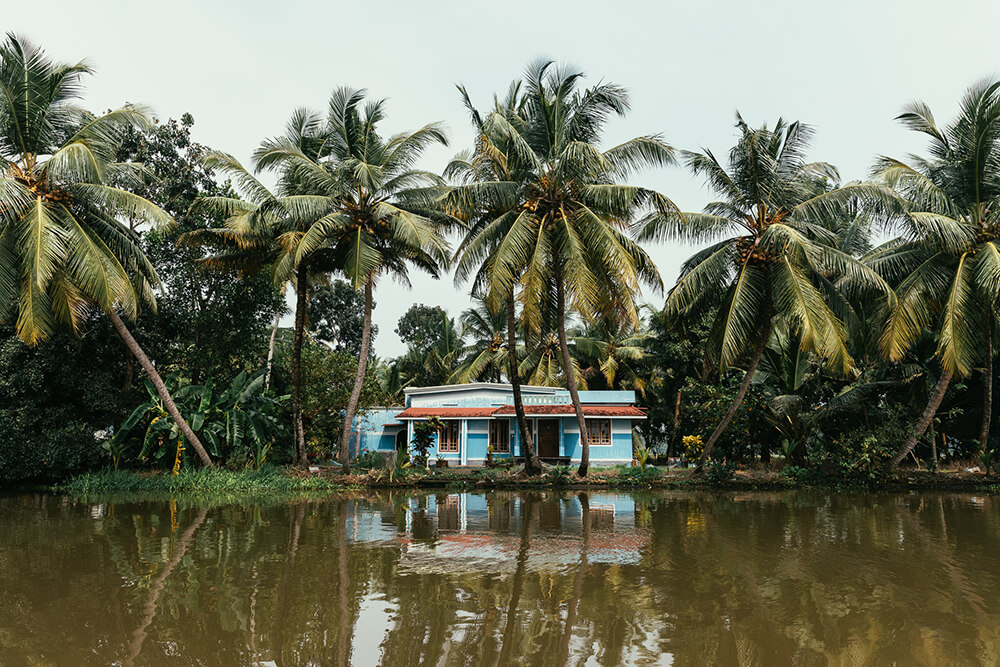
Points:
x=424 y=413
x=588 y=410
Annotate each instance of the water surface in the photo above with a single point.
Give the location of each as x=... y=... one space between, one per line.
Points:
x=503 y=578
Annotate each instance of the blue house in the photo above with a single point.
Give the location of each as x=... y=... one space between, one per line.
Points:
x=480 y=416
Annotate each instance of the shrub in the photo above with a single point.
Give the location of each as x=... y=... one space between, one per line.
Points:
x=693 y=447
x=719 y=472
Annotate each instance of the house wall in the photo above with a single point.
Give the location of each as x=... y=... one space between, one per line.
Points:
x=480 y=397
x=620 y=450
x=375 y=432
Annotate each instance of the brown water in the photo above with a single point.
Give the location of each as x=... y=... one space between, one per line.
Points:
x=473 y=579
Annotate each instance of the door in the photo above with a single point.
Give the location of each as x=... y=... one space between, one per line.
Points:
x=548 y=438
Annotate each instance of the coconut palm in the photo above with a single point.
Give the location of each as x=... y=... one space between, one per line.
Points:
x=63 y=249
x=776 y=256
x=378 y=214
x=549 y=213
x=262 y=230
x=483 y=353
x=608 y=354
x=946 y=263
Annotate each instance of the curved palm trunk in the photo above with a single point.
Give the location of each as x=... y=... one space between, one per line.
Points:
x=161 y=389
x=531 y=463
x=301 y=304
x=933 y=403
x=567 y=364
x=346 y=631
x=984 y=427
x=270 y=351
x=359 y=378
x=156 y=588
x=740 y=395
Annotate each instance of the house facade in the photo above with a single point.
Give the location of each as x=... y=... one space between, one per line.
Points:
x=479 y=420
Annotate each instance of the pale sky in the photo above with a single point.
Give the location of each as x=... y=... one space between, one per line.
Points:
x=240 y=68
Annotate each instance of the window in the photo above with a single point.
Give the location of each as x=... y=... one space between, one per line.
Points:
x=449 y=435
x=500 y=435
x=599 y=432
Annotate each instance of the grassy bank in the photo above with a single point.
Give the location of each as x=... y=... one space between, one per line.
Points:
x=266 y=480
x=288 y=481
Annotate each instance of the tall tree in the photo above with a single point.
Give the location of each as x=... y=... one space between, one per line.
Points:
x=378 y=213
x=262 y=231
x=775 y=256
x=336 y=316
x=63 y=246
x=946 y=263
x=550 y=211
x=483 y=354
x=206 y=323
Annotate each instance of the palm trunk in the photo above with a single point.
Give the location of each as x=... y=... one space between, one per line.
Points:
x=933 y=403
x=567 y=364
x=527 y=515
x=675 y=437
x=301 y=304
x=345 y=632
x=270 y=351
x=581 y=572
x=359 y=378
x=156 y=588
x=984 y=427
x=740 y=395
x=161 y=388
x=531 y=463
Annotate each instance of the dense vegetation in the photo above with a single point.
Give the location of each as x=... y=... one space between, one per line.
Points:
x=143 y=281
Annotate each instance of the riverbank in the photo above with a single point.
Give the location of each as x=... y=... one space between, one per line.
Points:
x=327 y=479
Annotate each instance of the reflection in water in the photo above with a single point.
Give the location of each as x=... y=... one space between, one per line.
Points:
x=502 y=578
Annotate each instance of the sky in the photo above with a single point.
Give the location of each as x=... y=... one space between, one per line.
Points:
x=240 y=68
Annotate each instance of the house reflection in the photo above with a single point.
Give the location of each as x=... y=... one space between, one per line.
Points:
x=460 y=532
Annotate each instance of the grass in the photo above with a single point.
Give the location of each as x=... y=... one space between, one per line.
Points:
x=289 y=482
x=214 y=480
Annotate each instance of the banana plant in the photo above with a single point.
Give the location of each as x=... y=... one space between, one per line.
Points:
x=240 y=418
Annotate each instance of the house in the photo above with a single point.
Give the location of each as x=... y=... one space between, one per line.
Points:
x=480 y=416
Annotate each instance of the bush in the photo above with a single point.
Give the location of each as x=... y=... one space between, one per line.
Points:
x=54 y=399
x=267 y=479
x=719 y=472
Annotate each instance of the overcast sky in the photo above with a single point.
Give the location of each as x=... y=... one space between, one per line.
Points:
x=240 y=68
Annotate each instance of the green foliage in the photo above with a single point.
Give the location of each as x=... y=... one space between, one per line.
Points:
x=719 y=472
x=240 y=422
x=327 y=378
x=987 y=457
x=558 y=475
x=266 y=479
x=425 y=434
x=206 y=324
x=642 y=455
x=58 y=403
x=369 y=460
x=336 y=315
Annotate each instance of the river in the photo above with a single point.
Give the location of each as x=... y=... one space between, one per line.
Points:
x=502 y=578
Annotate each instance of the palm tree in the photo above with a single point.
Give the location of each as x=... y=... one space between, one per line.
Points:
x=377 y=213
x=63 y=249
x=483 y=354
x=609 y=352
x=548 y=211
x=261 y=232
x=946 y=263
x=775 y=257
